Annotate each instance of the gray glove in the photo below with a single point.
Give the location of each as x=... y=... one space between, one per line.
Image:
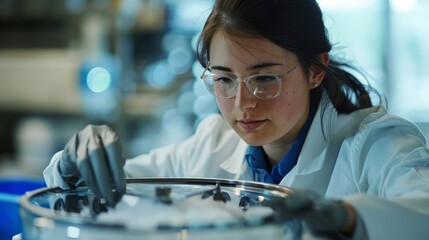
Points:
x=94 y=157
x=318 y=214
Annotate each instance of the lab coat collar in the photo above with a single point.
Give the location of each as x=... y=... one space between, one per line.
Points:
x=313 y=152
x=235 y=163
x=320 y=150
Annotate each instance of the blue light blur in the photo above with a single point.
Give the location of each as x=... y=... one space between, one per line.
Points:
x=159 y=74
x=189 y=15
x=204 y=105
x=180 y=59
x=98 y=79
x=185 y=100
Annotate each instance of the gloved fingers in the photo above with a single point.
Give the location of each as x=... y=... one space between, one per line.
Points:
x=94 y=155
x=295 y=205
x=116 y=163
x=298 y=202
x=101 y=169
x=328 y=215
x=106 y=138
x=319 y=214
x=88 y=144
x=68 y=163
x=87 y=173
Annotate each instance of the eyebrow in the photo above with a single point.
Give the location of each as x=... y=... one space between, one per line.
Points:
x=253 y=67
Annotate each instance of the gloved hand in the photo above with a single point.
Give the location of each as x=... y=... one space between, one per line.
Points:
x=320 y=215
x=94 y=156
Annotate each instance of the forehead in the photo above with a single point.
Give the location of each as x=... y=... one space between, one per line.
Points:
x=238 y=50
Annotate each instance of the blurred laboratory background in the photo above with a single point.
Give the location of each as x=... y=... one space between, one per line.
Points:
x=131 y=64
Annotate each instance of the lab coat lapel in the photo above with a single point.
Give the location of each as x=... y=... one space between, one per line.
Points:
x=313 y=168
x=321 y=147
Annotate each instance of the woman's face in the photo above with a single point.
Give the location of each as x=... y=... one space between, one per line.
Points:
x=261 y=121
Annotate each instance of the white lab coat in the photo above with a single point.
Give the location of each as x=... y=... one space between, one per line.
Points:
x=377 y=162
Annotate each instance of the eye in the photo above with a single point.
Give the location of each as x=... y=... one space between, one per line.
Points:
x=223 y=79
x=264 y=78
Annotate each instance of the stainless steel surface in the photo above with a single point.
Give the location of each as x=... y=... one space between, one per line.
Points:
x=77 y=213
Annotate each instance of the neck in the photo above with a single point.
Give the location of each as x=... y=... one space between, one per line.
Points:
x=277 y=150
x=275 y=153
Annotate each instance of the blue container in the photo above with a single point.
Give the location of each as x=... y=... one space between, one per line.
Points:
x=10 y=192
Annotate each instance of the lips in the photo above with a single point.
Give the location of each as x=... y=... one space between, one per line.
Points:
x=250 y=125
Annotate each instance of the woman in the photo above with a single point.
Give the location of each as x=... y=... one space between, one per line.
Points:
x=292 y=116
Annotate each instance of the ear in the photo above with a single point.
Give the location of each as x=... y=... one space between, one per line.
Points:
x=317 y=74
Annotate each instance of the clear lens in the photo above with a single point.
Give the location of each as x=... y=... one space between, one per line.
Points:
x=223 y=86
x=265 y=86
x=261 y=86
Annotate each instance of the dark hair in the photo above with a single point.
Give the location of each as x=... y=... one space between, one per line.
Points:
x=295 y=25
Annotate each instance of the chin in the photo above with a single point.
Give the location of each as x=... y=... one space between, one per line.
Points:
x=253 y=140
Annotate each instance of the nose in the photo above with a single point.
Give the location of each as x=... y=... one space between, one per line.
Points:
x=244 y=100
